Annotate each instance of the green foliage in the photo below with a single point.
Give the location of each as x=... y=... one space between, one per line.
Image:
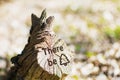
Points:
x=75 y=77
x=118 y=8
x=117 y=32
x=69 y=9
x=77 y=47
x=102 y=20
x=56 y=28
x=90 y=54
x=113 y=33
x=115 y=1
x=109 y=32
x=75 y=31
x=91 y=24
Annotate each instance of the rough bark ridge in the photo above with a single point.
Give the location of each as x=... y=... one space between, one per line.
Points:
x=25 y=65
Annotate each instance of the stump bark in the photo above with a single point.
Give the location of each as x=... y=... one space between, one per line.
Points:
x=25 y=64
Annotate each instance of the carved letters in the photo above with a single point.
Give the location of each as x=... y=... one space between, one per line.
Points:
x=63 y=59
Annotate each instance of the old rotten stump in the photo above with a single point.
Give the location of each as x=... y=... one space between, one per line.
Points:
x=26 y=66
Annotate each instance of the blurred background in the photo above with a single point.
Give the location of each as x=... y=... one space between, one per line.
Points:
x=91 y=28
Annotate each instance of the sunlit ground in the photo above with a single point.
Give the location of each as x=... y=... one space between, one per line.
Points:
x=91 y=28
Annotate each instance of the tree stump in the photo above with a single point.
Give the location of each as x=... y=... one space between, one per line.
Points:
x=30 y=65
